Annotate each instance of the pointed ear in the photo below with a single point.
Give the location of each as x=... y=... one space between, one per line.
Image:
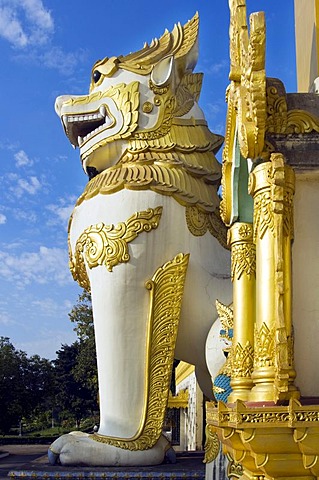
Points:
x=163 y=72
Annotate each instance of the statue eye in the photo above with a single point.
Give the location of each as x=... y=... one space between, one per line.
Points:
x=96 y=76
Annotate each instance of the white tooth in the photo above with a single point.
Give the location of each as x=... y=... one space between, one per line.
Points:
x=65 y=121
x=102 y=110
x=86 y=117
x=108 y=121
x=74 y=146
x=80 y=140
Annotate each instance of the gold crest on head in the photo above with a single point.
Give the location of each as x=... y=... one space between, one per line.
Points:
x=181 y=43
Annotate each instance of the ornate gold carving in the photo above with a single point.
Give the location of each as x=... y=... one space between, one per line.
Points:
x=178 y=43
x=243 y=250
x=212 y=445
x=246 y=96
x=199 y=223
x=226 y=316
x=234 y=469
x=243 y=260
x=242 y=360
x=283 y=121
x=272 y=185
x=108 y=244
x=178 y=401
x=273 y=198
x=147 y=107
x=264 y=346
x=166 y=292
x=247 y=74
x=126 y=98
x=269 y=439
x=178 y=175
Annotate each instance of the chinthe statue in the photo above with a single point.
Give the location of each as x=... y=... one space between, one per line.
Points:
x=146 y=239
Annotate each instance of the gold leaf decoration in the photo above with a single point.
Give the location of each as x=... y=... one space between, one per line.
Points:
x=242 y=360
x=178 y=43
x=243 y=260
x=212 y=444
x=108 y=244
x=264 y=346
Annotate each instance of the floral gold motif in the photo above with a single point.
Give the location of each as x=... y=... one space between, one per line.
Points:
x=264 y=346
x=166 y=291
x=108 y=244
x=283 y=121
x=243 y=260
x=212 y=444
x=242 y=360
x=200 y=222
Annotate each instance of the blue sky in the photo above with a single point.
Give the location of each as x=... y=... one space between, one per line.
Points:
x=47 y=48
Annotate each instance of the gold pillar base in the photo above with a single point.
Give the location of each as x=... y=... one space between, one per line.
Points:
x=241 y=389
x=270 y=442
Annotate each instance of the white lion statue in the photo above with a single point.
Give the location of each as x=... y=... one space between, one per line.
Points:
x=146 y=239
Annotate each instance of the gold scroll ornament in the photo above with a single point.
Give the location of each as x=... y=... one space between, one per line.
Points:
x=108 y=244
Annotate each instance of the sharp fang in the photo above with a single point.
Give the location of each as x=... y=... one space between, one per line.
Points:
x=102 y=110
x=80 y=140
x=74 y=146
x=65 y=121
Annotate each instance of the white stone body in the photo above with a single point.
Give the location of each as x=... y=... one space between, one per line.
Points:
x=150 y=118
x=121 y=301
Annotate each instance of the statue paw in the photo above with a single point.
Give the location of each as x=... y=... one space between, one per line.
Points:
x=77 y=448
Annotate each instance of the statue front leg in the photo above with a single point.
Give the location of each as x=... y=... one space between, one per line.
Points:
x=136 y=325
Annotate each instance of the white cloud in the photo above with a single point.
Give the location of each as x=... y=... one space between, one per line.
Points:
x=58 y=59
x=22 y=159
x=48 y=265
x=18 y=185
x=3 y=219
x=62 y=211
x=11 y=28
x=5 y=319
x=48 y=343
x=25 y=22
x=31 y=186
x=25 y=215
x=51 y=308
x=217 y=68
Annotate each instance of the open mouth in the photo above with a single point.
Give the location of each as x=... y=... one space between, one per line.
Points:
x=81 y=127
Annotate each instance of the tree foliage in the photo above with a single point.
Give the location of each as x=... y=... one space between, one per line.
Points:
x=25 y=383
x=85 y=370
x=73 y=398
x=34 y=387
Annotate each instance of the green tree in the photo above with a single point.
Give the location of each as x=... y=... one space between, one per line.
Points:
x=25 y=384
x=85 y=370
x=72 y=397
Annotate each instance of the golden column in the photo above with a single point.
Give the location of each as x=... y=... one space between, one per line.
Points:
x=243 y=274
x=272 y=186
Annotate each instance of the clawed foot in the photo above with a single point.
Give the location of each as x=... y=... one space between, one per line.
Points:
x=77 y=448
